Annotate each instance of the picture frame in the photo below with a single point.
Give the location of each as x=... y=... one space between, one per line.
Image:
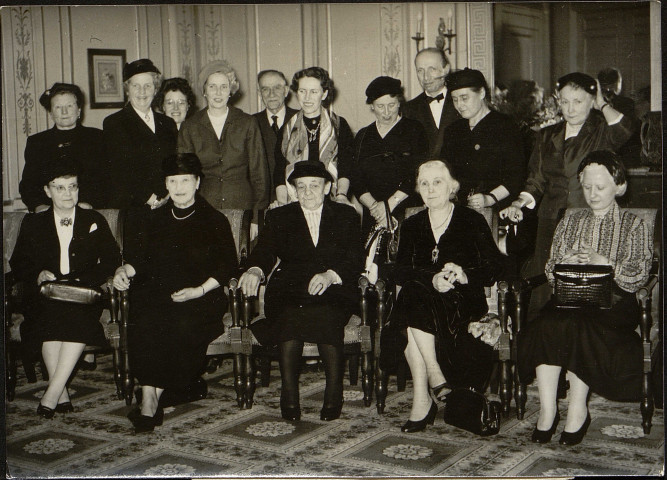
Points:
x=105 y=77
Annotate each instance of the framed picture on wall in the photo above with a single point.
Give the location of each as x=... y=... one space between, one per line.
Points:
x=105 y=76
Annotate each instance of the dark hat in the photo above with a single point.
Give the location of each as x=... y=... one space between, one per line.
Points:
x=382 y=86
x=466 y=78
x=143 y=65
x=58 y=88
x=581 y=79
x=309 y=168
x=182 y=164
x=60 y=167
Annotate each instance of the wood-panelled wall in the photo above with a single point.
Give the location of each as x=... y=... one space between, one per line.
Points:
x=355 y=42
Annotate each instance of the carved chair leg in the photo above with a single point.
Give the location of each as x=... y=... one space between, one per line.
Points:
x=647 y=405
x=367 y=377
x=402 y=375
x=249 y=367
x=381 y=382
x=354 y=368
x=264 y=362
x=117 y=374
x=239 y=382
x=505 y=386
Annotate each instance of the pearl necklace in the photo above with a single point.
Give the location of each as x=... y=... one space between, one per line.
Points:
x=181 y=218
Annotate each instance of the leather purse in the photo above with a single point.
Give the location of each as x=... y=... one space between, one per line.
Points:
x=71 y=293
x=470 y=410
x=578 y=286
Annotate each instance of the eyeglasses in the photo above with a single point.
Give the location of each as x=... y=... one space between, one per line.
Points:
x=179 y=103
x=62 y=189
x=278 y=90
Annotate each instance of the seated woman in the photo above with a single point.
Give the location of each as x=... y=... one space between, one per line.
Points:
x=69 y=243
x=313 y=291
x=446 y=256
x=599 y=348
x=181 y=259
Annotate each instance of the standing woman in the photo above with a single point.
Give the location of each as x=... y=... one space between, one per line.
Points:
x=64 y=242
x=316 y=134
x=137 y=139
x=386 y=155
x=229 y=144
x=176 y=100
x=67 y=138
x=178 y=265
x=484 y=147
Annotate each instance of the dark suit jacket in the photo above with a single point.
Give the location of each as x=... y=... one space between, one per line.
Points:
x=82 y=144
x=135 y=155
x=93 y=255
x=286 y=237
x=270 y=138
x=418 y=109
x=236 y=174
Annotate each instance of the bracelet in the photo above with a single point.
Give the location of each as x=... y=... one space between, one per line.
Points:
x=495 y=199
x=605 y=104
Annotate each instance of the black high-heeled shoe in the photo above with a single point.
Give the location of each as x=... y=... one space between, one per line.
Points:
x=45 y=412
x=574 y=438
x=330 y=413
x=418 y=426
x=291 y=413
x=146 y=423
x=544 y=436
x=65 y=407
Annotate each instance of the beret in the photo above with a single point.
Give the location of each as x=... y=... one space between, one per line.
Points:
x=466 y=78
x=182 y=164
x=309 y=168
x=58 y=88
x=581 y=79
x=382 y=86
x=61 y=166
x=143 y=65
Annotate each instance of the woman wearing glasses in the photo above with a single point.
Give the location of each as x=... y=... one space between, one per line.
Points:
x=176 y=100
x=64 y=242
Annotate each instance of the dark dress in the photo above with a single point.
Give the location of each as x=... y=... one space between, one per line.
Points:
x=291 y=312
x=168 y=340
x=600 y=346
x=82 y=144
x=465 y=360
x=489 y=155
x=384 y=165
x=93 y=257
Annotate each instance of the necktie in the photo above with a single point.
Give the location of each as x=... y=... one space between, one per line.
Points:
x=274 y=125
x=66 y=222
x=438 y=98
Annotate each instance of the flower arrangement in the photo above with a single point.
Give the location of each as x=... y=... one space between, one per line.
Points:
x=524 y=101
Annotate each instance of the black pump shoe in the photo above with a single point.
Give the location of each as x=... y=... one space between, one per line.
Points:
x=65 y=407
x=418 y=426
x=330 y=413
x=574 y=438
x=544 y=436
x=45 y=412
x=145 y=423
x=290 y=413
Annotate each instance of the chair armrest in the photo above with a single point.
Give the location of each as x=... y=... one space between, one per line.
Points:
x=530 y=283
x=244 y=239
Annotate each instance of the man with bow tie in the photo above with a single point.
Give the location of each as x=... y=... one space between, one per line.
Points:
x=433 y=108
x=313 y=290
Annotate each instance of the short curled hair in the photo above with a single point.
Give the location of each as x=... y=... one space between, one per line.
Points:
x=449 y=178
x=175 y=84
x=315 y=72
x=609 y=160
x=157 y=81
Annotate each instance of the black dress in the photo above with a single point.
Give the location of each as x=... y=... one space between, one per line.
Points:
x=82 y=144
x=93 y=257
x=489 y=155
x=384 y=165
x=465 y=360
x=168 y=340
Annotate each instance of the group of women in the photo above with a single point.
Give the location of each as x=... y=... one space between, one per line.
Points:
x=187 y=165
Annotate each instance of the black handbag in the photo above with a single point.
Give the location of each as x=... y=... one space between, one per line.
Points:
x=71 y=293
x=470 y=410
x=583 y=286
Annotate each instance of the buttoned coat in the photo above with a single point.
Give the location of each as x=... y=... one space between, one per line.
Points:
x=236 y=173
x=418 y=109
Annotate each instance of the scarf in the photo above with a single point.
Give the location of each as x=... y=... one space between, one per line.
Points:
x=295 y=146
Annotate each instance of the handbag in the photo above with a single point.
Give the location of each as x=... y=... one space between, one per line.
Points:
x=71 y=293
x=470 y=410
x=381 y=247
x=583 y=285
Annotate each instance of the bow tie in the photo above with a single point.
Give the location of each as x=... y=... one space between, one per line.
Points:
x=66 y=222
x=439 y=97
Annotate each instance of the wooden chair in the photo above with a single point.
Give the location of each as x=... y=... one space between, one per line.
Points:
x=496 y=297
x=231 y=341
x=650 y=333
x=11 y=222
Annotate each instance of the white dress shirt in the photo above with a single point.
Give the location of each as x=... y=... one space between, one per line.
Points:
x=147 y=117
x=64 y=238
x=436 y=106
x=280 y=114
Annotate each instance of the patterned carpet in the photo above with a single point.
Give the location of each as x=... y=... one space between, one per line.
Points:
x=213 y=438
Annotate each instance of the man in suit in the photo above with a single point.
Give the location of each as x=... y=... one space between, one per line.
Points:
x=313 y=291
x=433 y=108
x=274 y=90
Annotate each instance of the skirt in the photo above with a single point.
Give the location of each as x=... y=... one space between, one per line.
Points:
x=69 y=322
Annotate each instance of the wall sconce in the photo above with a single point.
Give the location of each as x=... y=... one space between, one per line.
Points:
x=419 y=37
x=445 y=32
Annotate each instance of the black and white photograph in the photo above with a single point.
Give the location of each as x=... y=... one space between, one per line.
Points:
x=333 y=240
